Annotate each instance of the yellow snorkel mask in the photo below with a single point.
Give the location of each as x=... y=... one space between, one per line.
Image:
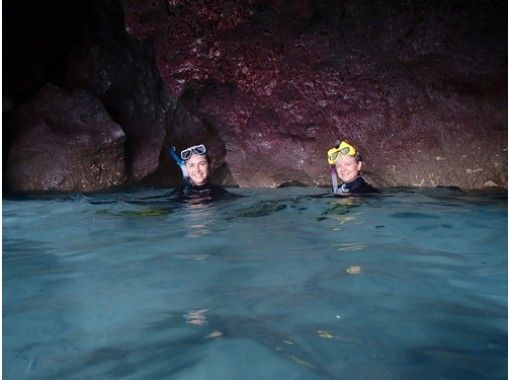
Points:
x=343 y=149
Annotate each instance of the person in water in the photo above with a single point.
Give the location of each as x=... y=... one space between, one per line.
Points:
x=346 y=163
x=195 y=166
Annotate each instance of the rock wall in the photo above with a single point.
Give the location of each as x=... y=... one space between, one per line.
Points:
x=420 y=88
x=65 y=141
x=121 y=72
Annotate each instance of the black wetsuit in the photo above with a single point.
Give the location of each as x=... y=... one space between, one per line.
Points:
x=206 y=192
x=358 y=186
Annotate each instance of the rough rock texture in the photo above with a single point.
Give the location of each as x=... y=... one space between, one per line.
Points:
x=122 y=73
x=418 y=87
x=64 y=141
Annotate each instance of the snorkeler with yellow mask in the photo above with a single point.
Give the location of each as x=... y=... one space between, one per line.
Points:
x=346 y=163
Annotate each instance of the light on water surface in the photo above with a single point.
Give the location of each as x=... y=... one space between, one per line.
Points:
x=276 y=284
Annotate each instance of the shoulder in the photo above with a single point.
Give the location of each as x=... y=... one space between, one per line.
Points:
x=361 y=185
x=218 y=192
x=177 y=193
x=358 y=186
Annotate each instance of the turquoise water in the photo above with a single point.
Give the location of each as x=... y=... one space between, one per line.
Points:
x=278 y=284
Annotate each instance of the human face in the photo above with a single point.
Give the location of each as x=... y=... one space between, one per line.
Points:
x=198 y=169
x=347 y=168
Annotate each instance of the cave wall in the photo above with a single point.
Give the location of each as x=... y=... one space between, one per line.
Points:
x=419 y=88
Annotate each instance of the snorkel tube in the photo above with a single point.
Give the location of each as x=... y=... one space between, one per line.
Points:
x=182 y=165
x=334 y=181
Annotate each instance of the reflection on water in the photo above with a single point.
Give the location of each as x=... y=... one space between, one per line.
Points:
x=350 y=246
x=279 y=284
x=196 y=317
x=197 y=218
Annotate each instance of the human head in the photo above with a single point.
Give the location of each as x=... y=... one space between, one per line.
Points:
x=347 y=161
x=197 y=164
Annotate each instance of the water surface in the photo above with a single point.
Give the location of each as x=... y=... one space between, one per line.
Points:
x=277 y=284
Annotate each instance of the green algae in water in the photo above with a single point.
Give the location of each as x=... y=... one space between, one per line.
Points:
x=338 y=208
x=132 y=213
x=262 y=209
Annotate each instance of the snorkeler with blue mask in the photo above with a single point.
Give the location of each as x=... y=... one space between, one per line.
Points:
x=345 y=163
x=194 y=163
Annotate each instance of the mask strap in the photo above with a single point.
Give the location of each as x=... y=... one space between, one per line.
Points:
x=173 y=155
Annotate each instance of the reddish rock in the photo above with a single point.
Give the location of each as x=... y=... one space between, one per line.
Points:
x=419 y=88
x=64 y=141
x=268 y=85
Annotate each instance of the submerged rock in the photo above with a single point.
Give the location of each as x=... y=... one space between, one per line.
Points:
x=64 y=141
